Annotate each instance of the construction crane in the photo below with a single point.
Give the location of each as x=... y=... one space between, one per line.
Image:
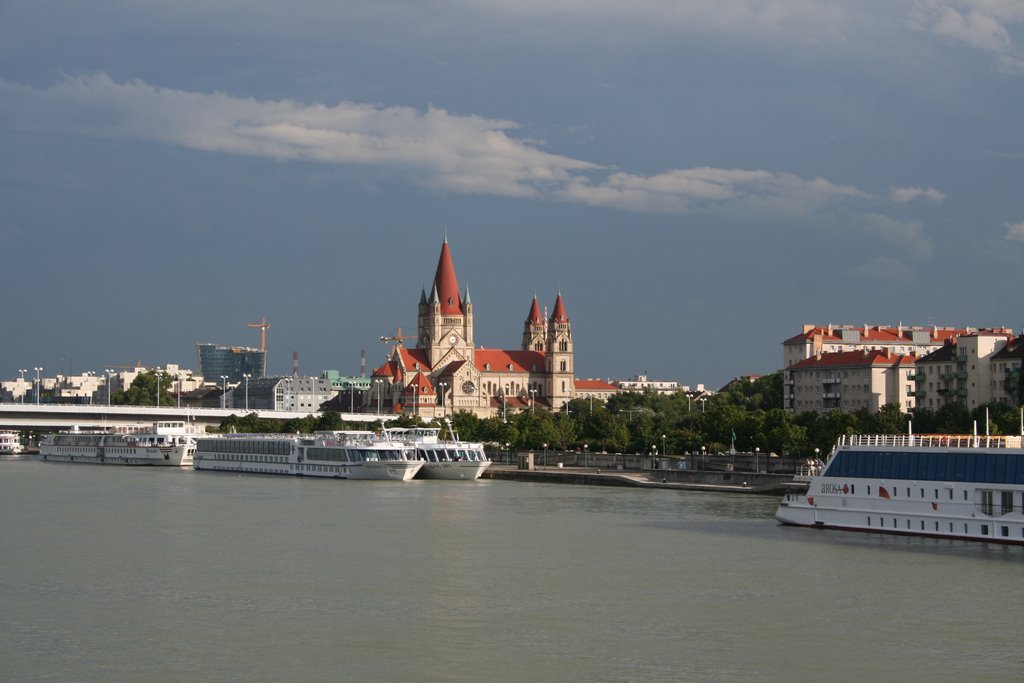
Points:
x=398 y=338
x=264 y=326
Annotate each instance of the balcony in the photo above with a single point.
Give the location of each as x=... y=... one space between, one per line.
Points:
x=831 y=380
x=830 y=394
x=961 y=392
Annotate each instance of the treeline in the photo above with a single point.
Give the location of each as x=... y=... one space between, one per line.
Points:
x=745 y=415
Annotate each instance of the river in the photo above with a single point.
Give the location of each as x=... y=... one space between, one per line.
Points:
x=132 y=574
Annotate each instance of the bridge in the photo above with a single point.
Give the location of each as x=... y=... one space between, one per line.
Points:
x=58 y=416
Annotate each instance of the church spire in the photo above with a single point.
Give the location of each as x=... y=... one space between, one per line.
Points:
x=534 y=315
x=558 y=315
x=446 y=284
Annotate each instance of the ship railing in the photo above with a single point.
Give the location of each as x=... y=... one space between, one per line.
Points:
x=930 y=441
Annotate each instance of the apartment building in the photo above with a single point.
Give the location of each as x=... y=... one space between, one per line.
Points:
x=974 y=369
x=849 y=381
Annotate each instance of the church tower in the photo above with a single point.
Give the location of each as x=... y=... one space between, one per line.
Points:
x=445 y=321
x=534 y=333
x=560 y=353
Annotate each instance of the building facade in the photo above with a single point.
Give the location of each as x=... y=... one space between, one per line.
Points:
x=849 y=381
x=234 y=362
x=971 y=370
x=899 y=340
x=446 y=372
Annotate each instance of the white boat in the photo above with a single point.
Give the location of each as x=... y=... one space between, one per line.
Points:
x=949 y=486
x=170 y=443
x=452 y=459
x=10 y=443
x=339 y=455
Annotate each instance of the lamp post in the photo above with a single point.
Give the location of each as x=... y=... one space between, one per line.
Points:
x=757 y=456
x=39 y=384
x=157 y=388
x=415 y=399
x=703 y=404
x=224 y=392
x=352 y=398
x=109 y=374
x=178 y=392
x=586 y=450
x=444 y=387
x=378 y=383
x=533 y=399
x=22 y=382
x=703 y=458
x=508 y=453
x=246 y=378
x=503 y=414
x=664 y=451
x=545 y=458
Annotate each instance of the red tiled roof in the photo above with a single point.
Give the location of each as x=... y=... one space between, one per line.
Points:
x=422 y=385
x=446 y=283
x=878 y=333
x=521 y=361
x=593 y=385
x=853 y=358
x=414 y=359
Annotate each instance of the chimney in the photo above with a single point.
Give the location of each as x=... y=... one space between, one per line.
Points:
x=295 y=363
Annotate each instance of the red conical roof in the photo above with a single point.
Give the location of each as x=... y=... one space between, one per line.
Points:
x=535 y=317
x=446 y=284
x=558 y=315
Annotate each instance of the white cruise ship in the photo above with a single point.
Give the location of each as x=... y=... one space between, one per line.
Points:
x=452 y=459
x=160 y=443
x=964 y=487
x=338 y=455
x=10 y=443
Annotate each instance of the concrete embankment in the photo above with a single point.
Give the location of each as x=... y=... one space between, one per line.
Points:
x=726 y=482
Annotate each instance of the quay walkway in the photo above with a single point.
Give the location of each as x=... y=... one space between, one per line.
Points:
x=721 y=482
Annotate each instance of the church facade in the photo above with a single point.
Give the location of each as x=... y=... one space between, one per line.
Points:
x=447 y=373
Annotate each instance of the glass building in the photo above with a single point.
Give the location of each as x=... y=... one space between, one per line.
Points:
x=233 y=361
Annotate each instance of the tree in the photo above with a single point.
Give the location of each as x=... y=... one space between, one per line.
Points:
x=143 y=390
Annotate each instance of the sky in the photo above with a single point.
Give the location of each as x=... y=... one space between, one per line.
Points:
x=698 y=179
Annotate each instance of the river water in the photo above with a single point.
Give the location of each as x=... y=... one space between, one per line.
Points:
x=125 y=574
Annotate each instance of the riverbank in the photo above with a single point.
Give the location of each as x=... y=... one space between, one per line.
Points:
x=720 y=482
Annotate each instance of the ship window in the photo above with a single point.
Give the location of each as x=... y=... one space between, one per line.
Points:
x=922 y=493
x=908 y=492
x=965 y=494
x=869 y=520
x=984 y=529
x=893 y=522
x=852 y=487
x=869 y=490
x=1006 y=500
x=922 y=525
x=1004 y=531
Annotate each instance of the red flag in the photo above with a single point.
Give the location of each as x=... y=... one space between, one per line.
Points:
x=882 y=493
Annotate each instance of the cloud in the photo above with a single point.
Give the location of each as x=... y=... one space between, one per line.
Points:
x=903 y=195
x=907 y=236
x=468 y=154
x=1015 y=231
x=680 y=191
x=884 y=268
x=463 y=154
x=981 y=24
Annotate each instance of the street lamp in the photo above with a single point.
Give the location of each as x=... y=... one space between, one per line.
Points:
x=703 y=458
x=246 y=378
x=444 y=387
x=703 y=404
x=39 y=385
x=586 y=449
x=545 y=454
x=351 y=398
x=503 y=418
x=757 y=456
x=22 y=382
x=157 y=388
x=108 y=373
x=664 y=451
x=178 y=392
x=508 y=453
x=378 y=383
x=224 y=391
x=533 y=399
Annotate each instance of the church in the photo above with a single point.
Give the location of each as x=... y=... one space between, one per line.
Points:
x=446 y=373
